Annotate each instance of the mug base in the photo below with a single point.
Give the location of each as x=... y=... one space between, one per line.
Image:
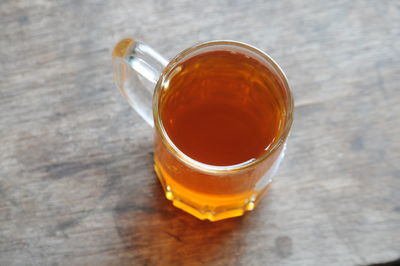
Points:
x=200 y=205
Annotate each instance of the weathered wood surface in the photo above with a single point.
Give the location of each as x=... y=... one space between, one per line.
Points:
x=76 y=179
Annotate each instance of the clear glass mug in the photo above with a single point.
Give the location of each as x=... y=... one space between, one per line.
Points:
x=206 y=191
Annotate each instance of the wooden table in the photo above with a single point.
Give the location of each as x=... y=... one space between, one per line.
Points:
x=76 y=179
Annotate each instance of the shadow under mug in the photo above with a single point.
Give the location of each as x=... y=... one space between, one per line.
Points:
x=206 y=191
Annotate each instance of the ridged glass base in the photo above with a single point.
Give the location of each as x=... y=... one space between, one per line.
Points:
x=208 y=207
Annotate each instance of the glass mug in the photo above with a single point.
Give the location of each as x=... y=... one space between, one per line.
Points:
x=222 y=111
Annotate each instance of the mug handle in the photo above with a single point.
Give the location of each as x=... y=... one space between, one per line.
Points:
x=137 y=68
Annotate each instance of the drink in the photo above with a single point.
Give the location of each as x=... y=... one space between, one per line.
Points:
x=222 y=111
x=219 y=108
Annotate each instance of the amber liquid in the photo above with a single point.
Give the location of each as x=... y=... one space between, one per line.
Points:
x=220 y=108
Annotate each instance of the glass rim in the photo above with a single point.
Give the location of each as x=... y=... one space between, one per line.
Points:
x=216 y=169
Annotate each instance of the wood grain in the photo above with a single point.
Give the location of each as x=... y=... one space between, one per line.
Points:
x=76 y=179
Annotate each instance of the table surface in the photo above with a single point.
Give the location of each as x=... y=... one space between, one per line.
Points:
x=76 y=180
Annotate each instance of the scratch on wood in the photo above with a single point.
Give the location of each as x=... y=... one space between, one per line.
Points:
x=177 y=238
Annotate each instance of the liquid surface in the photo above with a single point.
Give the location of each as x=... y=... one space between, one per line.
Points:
x=220 y=108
